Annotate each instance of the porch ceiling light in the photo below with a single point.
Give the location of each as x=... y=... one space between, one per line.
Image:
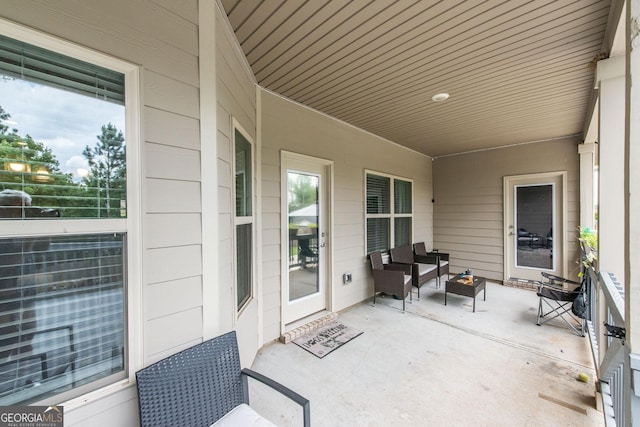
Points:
x=439 y=97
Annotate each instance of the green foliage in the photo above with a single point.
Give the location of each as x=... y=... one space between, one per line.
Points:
x=107 y=179
x=589 y=240
x=589 y=237
x=39 y=174
x=303 y=192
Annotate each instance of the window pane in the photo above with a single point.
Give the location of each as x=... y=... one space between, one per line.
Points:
x=32 y=63
x=534 y=222
x=62 y=140
x=378 y=194
x=402 y=232
x=402 y=197
x=243 y=263
x=243 y=175
x=377 y=234
x=61 y=314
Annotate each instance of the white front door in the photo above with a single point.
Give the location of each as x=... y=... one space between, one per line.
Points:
x=534 y=220
x=305 y=243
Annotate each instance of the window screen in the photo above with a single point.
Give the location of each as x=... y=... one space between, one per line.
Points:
x=384 y=225
x=243 y=263
x=378 y=194
x=377 y=234
x=402 y=197
x=62 y=313
x=243 y=194
x=243 y=175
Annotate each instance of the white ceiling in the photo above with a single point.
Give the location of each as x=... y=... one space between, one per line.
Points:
x=517 y=71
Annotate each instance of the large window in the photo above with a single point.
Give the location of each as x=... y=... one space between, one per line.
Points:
x=243 y=166
x=64 y=219
x=389 y=212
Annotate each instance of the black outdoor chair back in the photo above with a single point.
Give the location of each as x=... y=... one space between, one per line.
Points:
x=200 y=385
x=195 y=387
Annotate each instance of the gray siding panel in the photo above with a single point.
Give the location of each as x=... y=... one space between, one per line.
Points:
x=468 y=209
x=162 y=37
x=291 y=127
x=236 y=98
x=138 y=32
x=169 y=128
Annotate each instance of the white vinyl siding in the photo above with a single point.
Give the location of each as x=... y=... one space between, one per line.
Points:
x=468 y=208
x=163 y=39
x=289 y=126
x=236 y=108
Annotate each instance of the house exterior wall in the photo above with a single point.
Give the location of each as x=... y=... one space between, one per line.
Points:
x=291 y=127
x=162 y=37
x=236 y=99
x=468 y=210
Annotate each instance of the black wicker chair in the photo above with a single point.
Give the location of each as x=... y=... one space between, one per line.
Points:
x=441 y=259
x=420 y=270
x=390 y=279
x=200 y=385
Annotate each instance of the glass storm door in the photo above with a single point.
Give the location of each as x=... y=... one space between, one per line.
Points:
x=306 y=241
x=534 y=212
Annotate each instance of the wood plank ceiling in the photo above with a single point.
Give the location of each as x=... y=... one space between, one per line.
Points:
x=517 y=71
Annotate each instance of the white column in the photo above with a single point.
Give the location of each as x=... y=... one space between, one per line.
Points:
x=611 y=207
x=211 y=322
x=587 y=152
x=632 y=172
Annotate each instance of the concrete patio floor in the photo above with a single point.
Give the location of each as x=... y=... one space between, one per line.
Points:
x=438 y=365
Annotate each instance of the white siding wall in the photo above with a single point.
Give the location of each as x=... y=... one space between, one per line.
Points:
x=468 y=209
x=236 y=96
x=291 y=127
x=161 y=36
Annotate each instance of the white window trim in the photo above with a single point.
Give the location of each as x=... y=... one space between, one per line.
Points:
x=130 y=225
x=242 y=220
x=392 y=215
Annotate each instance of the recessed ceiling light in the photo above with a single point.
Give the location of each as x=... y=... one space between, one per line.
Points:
x=439 y=97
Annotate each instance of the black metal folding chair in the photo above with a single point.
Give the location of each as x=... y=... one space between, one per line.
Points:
x=557 y=296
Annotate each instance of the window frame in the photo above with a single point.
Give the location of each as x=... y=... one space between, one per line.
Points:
x=130 y=226
x=392 y=215
x=244 y=219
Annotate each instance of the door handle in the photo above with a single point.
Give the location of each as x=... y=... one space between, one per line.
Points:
x=322 y=245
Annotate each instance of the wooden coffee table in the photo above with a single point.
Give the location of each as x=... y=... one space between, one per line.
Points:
x=471 y=290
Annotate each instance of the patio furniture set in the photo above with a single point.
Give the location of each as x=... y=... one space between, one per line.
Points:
x=205 y=385
x=407 y=267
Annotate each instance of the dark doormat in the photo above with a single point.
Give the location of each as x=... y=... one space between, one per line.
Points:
x=326 y=339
